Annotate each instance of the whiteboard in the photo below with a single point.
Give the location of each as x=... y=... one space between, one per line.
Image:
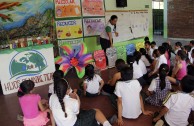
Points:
x=130 y=25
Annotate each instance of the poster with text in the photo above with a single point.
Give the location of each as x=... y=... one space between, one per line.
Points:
x=30 y=63
x=93 y=26
x=67 y=8
x=93 y=7
x=67 y=29
x=75 y=43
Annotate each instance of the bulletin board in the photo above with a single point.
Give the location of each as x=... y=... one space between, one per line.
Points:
x=131 y=24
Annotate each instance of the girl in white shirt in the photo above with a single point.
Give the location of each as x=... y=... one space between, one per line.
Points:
x=139 y=62
x=130 y=104
x=145 y=58
x=93 y=83
x=66 y=109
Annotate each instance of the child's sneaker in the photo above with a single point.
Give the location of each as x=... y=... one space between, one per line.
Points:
x=113 y=119
x=159 y=123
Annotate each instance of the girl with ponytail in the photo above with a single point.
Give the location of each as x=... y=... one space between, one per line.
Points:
x=160 y=87
x=35 y=113
x=66 y=108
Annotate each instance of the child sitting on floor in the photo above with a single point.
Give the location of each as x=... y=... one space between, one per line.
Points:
x=159 y=87
x=130 y=104
x=145 y=58
x=66 y=110
x=139 y=63
x=30 y=104
x=110 y=87
x=178 y=105
x=155 y=56
x=93 y=83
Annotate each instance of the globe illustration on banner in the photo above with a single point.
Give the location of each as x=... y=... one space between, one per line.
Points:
x=27 y=63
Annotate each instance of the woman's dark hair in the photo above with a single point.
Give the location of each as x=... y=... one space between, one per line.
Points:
x=187 y=84
x=182 y=54
x=162 y=50
x=57 y=75
x=179 y=44
x=25 y=88
x=130 y=61
x=126 y=73
x=155 y=52
x=112 y=18
x=137 y=56
x=89 y=72
x=146 y=39
x=168 y=48
x=143 y=52
x=119 y=64
x=61 y=90
x=163 y=72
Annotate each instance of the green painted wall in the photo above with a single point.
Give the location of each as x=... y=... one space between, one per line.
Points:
x=132 y=5
x=165 y=19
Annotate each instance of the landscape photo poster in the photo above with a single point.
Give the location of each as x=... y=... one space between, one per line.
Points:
x=25 y=18
x=68 y=29
x=93 y=26
x=67 y=8
x=93 y=7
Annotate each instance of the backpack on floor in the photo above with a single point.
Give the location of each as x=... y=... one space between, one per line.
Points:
x=111 y=54
x=100 y=59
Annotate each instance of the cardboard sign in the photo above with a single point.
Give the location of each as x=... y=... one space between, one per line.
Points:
x=93 y=26
x=111 y=54
x=100 y=59
x=93 y=7
x=32 y=63
x=67 y=8
x=67 y=29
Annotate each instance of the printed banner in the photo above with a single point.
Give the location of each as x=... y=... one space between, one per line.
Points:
x=67 y=29
x=67 y=8
x=93 y=26
x=93 y=7
x=25 y=18
x=75 y=43
x=31 y=63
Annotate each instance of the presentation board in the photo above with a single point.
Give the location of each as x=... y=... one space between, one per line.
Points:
x=131 y=24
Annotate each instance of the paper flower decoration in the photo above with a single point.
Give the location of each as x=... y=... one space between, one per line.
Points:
x=71 y=59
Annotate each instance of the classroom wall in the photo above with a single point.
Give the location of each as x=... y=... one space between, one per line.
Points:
x=181 y=19
x=132 y=5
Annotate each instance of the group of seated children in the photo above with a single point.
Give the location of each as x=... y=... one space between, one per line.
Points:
x=150 y=66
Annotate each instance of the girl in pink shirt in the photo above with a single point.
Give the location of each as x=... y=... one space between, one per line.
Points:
x=30 y=105
x=180 y=69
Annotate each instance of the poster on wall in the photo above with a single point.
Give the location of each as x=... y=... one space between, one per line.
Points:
x=19 y=18
x=68 y=29
x=67 y=8
x=35 y=63
x=93 y=26
x=93 y=7
x=75 y=43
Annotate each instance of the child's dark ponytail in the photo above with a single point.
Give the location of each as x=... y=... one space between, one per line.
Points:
x=57 y=75
x=137 y=56
x=25 y=88
x=89 y=72
x=61 y=89
x=163 y=72
x=130 y=61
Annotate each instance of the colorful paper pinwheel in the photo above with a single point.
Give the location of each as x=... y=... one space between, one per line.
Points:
x=72 y=59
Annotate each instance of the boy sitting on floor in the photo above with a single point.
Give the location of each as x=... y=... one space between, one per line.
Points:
x=178 y=106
